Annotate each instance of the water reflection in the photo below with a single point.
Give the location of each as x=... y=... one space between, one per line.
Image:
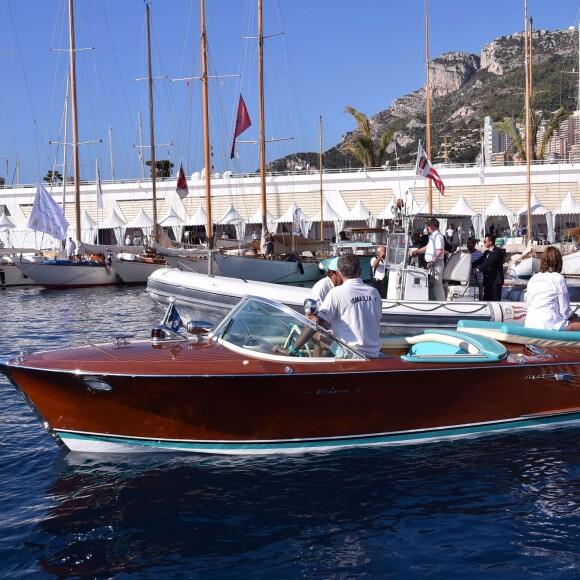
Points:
x=491 y=502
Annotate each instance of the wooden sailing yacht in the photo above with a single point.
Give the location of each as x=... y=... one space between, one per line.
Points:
x=290 y=271
x=65 y=273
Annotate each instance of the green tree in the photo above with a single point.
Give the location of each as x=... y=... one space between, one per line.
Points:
x=53 y=177
x=364 y=148
x=509 y=127
x=163 y=168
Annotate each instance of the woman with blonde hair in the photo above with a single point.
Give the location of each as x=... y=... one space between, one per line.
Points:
x=547 y=298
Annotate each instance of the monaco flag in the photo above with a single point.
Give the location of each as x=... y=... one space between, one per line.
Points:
x=425 y=169
x=242 y=123
x=181 y=183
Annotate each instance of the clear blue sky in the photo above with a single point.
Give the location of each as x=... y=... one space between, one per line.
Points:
x=333 y=53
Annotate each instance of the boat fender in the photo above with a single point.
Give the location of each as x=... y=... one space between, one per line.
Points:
x=300 y=268
x=2 y=277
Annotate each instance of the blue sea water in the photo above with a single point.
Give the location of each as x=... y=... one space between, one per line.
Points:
x=501 y=506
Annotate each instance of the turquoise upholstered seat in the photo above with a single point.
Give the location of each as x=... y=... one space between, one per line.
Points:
x=514 y=329
x=452 y=346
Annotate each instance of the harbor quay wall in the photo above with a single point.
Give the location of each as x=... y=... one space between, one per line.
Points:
x=374 y=188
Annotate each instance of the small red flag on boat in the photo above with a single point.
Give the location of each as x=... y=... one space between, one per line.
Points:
x=181 y=183
x=242 y=123
x=425 y=169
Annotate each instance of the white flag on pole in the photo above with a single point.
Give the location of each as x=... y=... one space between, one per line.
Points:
x=100 y=204
x=47 y=216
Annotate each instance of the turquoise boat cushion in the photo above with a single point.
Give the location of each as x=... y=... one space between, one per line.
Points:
x=520 y=330
x=453 y=346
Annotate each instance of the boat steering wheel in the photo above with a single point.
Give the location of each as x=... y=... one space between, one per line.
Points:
x=294 y=333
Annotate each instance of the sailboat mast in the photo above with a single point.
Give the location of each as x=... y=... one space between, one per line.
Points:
x=428 y=101
x=206 y=145
x=65 y=146
x=528 y=123
x=75 y=124
x=321 y=193
x=152 y=128
x=261 y=107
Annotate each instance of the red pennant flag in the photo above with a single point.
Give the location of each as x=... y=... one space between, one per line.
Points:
x=181 y=183
x=242 y=123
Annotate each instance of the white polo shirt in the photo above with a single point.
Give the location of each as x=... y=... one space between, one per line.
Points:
x=321 y=289
x=436 y=242
x=354 y=311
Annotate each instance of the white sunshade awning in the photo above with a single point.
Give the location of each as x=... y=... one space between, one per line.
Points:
x=568 y=207
x=141 y=220
x=230 y=217
x=5 y=223
x=462 y=208
x=114 y=220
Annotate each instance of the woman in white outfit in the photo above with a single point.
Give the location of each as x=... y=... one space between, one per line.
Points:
x=547 y=298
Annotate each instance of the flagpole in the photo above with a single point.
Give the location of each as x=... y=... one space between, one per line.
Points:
x=482 y=177
x=321 y=192
x=428 y=100
x=528 y=125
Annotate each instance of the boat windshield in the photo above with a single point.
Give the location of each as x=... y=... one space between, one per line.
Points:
x=269 y=327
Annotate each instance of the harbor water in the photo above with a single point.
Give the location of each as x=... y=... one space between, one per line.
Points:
x=501 y=506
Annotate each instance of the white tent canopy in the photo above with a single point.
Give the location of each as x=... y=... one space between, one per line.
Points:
x=89 y=229
x=289 y=216
x=233 y=217
x=569 y=206
x=462 y=208
x=537 y=209
x=199 y=219
x=117 y=223
x=497 y=208
x=359 y=213
x=5 y=223
x=141 y=220
x=173 y=221
x=257 y=218
x=328 y=215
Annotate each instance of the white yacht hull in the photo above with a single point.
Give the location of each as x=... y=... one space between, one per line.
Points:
x=262 y=270
x=69 y=275
x=135 y=271
x=198 y=294
x=10 y=275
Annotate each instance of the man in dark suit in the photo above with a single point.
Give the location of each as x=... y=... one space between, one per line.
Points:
x=491 y=266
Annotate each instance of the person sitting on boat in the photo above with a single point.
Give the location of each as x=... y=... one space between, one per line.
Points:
x=71 y=249
x=379 y=271
x=434 y=256
x=353 y=310
x=326 y=284
x=547 y=297
x=491 y=266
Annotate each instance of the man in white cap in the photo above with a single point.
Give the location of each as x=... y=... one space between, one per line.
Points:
x=324 y=286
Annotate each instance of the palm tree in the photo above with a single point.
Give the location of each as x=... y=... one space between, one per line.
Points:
x=510 y=128
x=363 y=147
x=52 y=177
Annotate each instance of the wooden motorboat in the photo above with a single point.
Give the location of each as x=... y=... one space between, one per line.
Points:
x=231 y=392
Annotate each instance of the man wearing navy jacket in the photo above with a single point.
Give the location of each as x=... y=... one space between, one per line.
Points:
x=491 y=266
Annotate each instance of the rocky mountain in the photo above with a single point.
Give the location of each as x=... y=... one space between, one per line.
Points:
x=465 y=89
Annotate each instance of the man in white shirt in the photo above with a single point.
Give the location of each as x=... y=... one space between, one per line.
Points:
x=379 y=271
x=71 y=248
x=434 y=251
x=353 y=310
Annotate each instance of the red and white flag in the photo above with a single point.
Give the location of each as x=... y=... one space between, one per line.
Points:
x=181 y=183
x=242 y=123
x=425 y=169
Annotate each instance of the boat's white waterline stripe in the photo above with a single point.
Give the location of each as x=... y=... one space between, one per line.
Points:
x=94 y=442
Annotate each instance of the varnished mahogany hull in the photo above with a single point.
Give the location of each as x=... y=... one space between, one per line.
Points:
x=206 y=398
